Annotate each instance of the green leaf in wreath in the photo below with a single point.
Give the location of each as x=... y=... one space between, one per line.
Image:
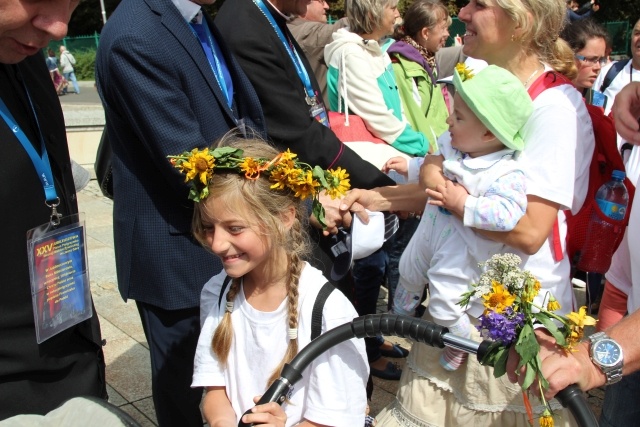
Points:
x=318 y=212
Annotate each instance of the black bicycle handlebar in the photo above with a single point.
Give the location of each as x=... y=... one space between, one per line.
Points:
x=406 y=327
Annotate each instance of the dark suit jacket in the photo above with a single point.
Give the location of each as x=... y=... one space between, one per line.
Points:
x=273 y=75
x=161 y=97
x=36 y=378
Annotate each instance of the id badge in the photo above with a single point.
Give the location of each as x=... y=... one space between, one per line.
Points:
x=599 y=99
x=319 y=113
x=58 y=269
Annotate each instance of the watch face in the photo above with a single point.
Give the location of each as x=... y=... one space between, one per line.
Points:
x=607 y=352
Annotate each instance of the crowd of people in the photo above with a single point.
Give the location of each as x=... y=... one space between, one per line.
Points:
x=227 y=262
x=61 y=79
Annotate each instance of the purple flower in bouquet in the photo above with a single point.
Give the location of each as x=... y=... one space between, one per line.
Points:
x=501 y=326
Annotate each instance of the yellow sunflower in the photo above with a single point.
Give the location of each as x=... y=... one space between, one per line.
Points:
x=280 y=177
x=498 y=299
x=287 y=155
x=199 y=166
x=305 y=186
x=338 y=183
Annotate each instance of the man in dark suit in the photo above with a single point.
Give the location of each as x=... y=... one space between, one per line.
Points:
x=168 y=85
x=35 y=378
x=268 y=62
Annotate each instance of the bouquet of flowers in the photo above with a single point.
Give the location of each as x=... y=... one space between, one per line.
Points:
x=510 y=316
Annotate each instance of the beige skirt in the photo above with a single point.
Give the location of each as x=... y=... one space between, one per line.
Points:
x=429 y=395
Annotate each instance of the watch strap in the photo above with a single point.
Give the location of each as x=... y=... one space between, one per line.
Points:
x=612 y=373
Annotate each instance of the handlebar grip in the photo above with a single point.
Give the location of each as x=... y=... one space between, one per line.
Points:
x=276 y=393
x=573 y=399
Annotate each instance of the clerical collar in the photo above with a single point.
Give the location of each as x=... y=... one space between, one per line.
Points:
x=287 y=18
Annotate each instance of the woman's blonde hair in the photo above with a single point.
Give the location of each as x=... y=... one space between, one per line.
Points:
x=421 y=14
x=542 y=21
x=365 y=16
x=266 y=208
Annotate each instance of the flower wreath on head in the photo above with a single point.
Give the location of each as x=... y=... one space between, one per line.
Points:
x=285 y=172
x=510 y=317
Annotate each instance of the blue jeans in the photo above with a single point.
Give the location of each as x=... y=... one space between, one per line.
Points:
x=368 y=274
x=71 y=77
x=620 y=407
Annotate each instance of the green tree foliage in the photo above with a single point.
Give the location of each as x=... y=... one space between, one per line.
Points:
x=87 y=18
x=85 y=64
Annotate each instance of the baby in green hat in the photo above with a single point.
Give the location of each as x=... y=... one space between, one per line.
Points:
x=485 y=187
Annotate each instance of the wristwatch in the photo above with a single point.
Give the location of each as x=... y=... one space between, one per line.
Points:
x=606 y=354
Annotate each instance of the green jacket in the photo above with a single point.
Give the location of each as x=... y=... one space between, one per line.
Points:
x=429 y=117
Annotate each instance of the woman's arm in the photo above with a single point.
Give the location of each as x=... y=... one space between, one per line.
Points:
x=407 y=198
x=562 y=368
x=532 y=230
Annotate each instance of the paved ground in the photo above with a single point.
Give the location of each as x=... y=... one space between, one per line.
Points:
x=127 y=354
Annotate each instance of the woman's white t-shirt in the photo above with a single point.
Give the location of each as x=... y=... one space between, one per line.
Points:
x=559 y=144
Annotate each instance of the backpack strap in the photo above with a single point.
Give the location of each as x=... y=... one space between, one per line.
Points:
x=318 y=306
x=225 y=283
x=546 y=81
x=612 y=73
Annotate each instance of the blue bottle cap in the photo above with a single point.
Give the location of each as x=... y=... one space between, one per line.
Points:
x=619 y=175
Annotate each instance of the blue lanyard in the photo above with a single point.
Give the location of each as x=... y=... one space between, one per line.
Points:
x=293 y=54
x=41 y=164
x=222 y=82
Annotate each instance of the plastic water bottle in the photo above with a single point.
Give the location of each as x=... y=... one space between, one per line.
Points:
x=612 y=199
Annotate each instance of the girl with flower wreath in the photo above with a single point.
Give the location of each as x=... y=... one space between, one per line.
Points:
x=251 y=214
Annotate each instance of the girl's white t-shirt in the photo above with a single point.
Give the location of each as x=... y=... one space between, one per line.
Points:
x=332 y=390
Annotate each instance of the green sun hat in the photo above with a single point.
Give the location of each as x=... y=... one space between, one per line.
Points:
x=498 y=99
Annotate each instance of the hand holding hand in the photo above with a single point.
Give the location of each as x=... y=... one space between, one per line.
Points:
x=450 y=196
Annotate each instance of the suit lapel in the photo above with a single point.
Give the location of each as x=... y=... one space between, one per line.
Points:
x=176 y=25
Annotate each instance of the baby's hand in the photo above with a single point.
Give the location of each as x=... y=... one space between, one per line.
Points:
x=450 y=196
x=398 y=164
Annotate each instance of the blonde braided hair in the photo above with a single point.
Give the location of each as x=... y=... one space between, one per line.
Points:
x=267 y=208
